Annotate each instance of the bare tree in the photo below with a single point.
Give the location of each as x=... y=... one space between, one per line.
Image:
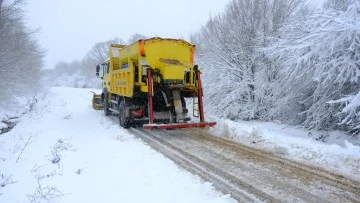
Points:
x=97 y=54
x=136 y=37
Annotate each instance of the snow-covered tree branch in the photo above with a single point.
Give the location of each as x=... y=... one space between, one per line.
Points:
x=283 y=60
x=320 y=62
x=20 y=55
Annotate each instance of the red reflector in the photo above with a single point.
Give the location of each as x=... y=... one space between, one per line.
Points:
x=137 y=112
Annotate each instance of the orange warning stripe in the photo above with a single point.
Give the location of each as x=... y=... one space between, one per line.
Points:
x=142 y=50
x=191 y=55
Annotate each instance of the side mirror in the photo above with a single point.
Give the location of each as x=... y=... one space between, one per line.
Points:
x=97 y=70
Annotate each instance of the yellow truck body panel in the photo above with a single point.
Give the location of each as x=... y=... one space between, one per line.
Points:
x=128 y=64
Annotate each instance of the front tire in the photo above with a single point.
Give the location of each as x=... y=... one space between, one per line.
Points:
x=124 y=118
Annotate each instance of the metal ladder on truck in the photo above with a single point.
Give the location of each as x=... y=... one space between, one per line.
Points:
x=198 y=109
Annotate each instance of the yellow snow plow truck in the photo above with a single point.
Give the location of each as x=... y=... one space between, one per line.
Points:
x=147 y=82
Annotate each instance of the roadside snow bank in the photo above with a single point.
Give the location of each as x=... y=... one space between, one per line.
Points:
x=2 y=126
x=64 y=151
x=6 y=124
x=333 y=151
x=9 y=114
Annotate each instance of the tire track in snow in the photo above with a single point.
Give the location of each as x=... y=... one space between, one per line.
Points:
x=224 y=182
x=248 y=174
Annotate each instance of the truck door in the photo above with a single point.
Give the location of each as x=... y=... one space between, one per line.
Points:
x=106 y=79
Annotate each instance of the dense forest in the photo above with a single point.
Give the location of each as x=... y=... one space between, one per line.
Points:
x=284 y=61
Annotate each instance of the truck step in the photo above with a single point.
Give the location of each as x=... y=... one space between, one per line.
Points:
x=114 y=110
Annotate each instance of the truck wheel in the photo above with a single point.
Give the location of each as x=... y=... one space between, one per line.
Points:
x=125 y=120
x=106 y=105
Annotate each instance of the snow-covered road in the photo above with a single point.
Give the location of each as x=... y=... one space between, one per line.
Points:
x=248 y=174
x=64 y=151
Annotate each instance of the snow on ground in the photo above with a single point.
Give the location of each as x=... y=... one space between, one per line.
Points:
x=333 y=151
x=9 y=114
x=2 y=126
x=64 y=151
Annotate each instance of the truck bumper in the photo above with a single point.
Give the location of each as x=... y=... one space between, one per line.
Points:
x=178 y=125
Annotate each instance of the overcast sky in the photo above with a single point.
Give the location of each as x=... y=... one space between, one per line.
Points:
x=69 y=28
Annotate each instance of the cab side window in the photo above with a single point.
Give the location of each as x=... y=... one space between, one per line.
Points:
x=108 y=67
x=103 y=67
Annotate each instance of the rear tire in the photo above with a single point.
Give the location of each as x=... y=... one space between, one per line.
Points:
x=124 y=120
x=106 y=104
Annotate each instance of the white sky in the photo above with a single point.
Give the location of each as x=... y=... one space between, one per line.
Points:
x=69 y=28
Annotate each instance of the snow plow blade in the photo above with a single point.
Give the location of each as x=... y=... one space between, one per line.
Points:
x=97 y=102
x=178 y=125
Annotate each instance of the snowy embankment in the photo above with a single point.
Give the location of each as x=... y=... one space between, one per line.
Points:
x=9 y=114
x=64 y=151
x=333 y=151
x=8 y=119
